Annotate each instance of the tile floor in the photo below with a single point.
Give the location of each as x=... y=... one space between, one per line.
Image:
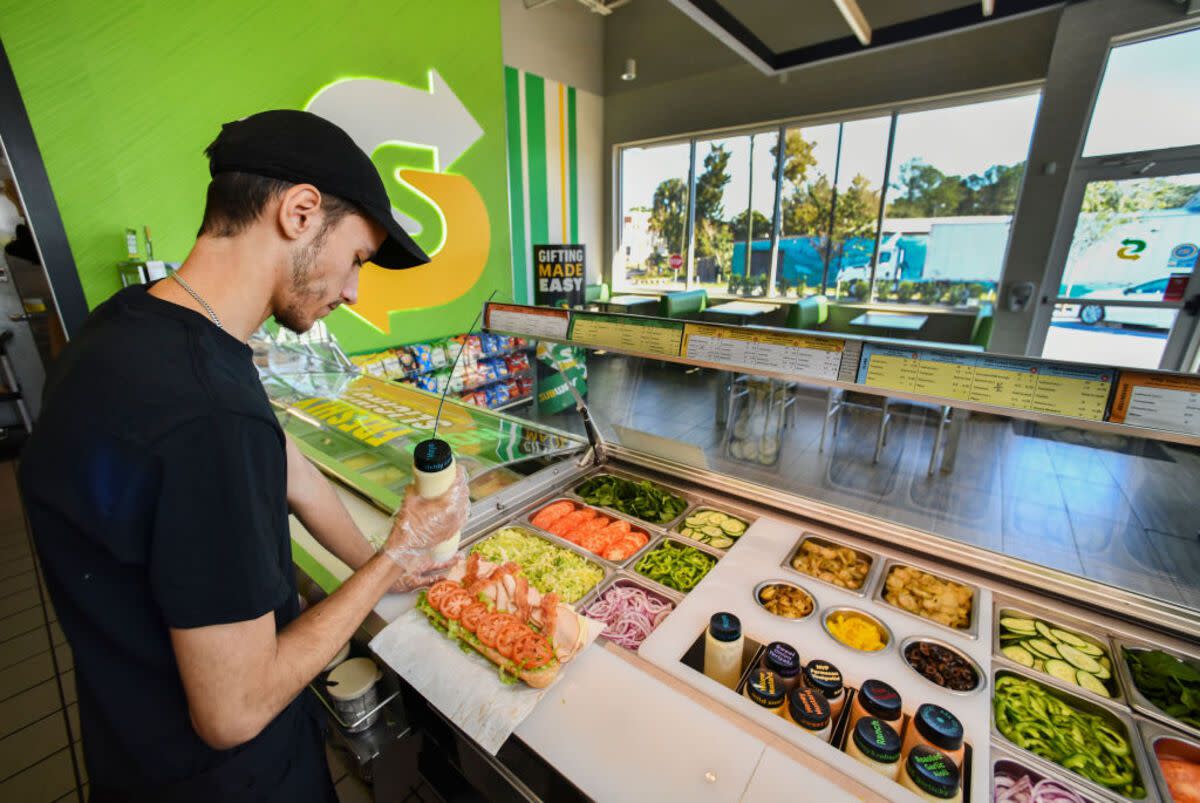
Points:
x=40 y=755
x=1118 y=510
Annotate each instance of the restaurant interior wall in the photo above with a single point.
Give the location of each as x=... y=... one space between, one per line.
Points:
x=124 y=96
x=554 y=61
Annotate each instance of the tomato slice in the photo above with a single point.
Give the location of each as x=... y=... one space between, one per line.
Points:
x=438 y=591
x=509 y=637
x=455 y=603
x=491 y=625
x=472 y=615
x=532 y=651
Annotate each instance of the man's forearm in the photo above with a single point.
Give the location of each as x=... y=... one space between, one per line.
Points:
x=314 y=502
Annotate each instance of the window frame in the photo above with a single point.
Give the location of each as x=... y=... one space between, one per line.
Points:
x=780 y=128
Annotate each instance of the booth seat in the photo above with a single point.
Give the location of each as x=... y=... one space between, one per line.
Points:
x=808 y=313
x=686 y=304
x=596 y=293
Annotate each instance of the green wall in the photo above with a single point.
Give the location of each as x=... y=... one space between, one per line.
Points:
x=125 y=95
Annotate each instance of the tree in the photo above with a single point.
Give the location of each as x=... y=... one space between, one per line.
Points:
x=710 y=185
x=668 y=216
x=760 y=225
x=924 y=191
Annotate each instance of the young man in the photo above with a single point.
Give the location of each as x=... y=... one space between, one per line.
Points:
x=158 y=485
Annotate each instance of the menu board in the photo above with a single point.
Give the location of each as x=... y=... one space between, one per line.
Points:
x=758 y=350
x=1058 y=389
x=1158 y=402
x=627 y=333
x=534 y=322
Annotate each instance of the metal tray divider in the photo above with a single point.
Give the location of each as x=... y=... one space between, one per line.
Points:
x=1088 y=705
x=971 y=632
x=1133 y=695
x=1022 y=611
x=876 y=563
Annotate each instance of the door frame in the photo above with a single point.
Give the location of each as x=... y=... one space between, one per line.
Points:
x=1180 y=347
x=37 y=197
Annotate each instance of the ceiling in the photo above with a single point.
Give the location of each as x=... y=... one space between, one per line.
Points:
x=776 y=36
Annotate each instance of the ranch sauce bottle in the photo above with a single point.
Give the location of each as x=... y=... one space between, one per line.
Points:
x=434 y=471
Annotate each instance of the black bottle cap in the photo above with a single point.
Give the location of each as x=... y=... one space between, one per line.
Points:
x=809 y=708
x=880 y=700
x=725 y=627
x=825 y=678
x=877 y=740
x=765 y=688
x=939 y=727
x=432 y=455
x=782 y=659
x=932 y=771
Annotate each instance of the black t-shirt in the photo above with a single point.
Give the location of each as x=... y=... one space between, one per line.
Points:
x=156 y=488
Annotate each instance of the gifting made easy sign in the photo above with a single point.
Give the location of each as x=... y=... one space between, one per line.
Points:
x=559 y=272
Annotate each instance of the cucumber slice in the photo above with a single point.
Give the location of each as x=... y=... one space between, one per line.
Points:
x=1039 y=664
x=721 y=543
x=1091 y=683
x=1068 y=638
x=693 y=521
x=716 y=518
x=1061 y=670
x=1105 y=673
x=1043 y=630
x=1016 y=625
x=734 y=527
x=1019 y=654
x=1090 y=649
x=1078 y=660
x=1104 y=662
x=713 y=531
x=1043 y=648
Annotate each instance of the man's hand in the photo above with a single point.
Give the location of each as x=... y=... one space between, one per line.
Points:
x=422 y=524
x=412 y=580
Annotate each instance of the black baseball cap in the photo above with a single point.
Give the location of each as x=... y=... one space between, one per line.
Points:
x=302 y=148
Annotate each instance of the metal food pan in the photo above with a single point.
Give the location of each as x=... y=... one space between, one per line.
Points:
x=1024 y=611
x=624 y=579
x=716 y=555
x=1176 y=743
x=1116 y=717
x=1133 y=695
x=689 y=498
x=887 y=631
x=816 y=607
x=1009 y=763
x=980 y=673
x=652 y=533
x=880 y=580
x=875 y=560
x=604 y=566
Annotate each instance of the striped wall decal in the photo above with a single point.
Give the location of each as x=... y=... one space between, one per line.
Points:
x=543 y=169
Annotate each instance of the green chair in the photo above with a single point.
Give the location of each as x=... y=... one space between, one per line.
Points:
x=981 y=332
x=687 y=304
x=596 y=293
x=808 y=313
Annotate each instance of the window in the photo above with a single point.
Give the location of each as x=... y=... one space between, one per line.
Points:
x=654 y=194
x=948 y=199
x=1147 y=98
x=952 y=190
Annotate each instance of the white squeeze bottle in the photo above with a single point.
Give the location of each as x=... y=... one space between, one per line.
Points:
x=723 y=644
x=434 y=470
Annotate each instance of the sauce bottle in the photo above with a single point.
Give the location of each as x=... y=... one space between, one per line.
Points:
x=809 y=709
x=876 y=699
x=783 y=660
x=434 y=471
x=723 y=644
x=931 y=775
x=765 y=689
x=825 y=678
x=875 y=744
x=934 y=726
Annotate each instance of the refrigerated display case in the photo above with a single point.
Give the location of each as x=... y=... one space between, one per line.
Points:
x=642 y=721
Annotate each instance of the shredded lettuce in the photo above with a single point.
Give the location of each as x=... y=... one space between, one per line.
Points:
x=547 y=566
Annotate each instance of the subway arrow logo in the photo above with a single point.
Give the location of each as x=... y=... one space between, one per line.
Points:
x=414 y=136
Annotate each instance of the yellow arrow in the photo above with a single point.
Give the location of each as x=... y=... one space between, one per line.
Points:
x=450 y=273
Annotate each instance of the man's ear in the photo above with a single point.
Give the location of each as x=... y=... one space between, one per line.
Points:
x=298 y=210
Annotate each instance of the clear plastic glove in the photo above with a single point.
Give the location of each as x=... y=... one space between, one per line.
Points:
x=421 y=524
x=413 y=578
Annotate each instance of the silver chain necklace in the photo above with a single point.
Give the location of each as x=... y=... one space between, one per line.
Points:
x=212 y=314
